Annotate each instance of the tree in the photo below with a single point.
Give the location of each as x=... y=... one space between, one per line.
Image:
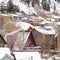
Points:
x=57 y=0
x=54 y=7
x=28 y=1
x=11 y=7
x=45 y=5
x=16 y=9
x=33 y=3
x=36 y=2
x=2 y=7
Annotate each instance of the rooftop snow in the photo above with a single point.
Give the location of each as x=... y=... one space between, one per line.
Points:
x=23 y=25
x=26 y=55
x=46 y=30
x=4 y=51
x=57 y=17
x=57 y=23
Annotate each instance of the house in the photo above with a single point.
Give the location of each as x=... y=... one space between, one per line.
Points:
x=2 y=41
x=24 y=37
x=11 y=33
x=18 y=35
x=44 y=36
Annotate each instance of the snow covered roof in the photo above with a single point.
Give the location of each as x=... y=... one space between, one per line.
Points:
x=57 y=23
x=54 y=16
x=46 y=30
x=24 y=26
x=4 y=14
x=27 y=55
x=13 y=14
x=4 y=51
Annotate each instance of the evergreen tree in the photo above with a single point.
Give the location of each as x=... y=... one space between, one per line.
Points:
x=2 y=7
x=33 y=3
x=45 y=5
x=11 y=7
x=36 y=2
x=57 y=0
x=28 y=1
x=54 y=7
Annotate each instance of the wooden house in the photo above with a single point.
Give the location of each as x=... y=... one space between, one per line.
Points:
x=19 y=35
x=2 y=41
x=44 y=37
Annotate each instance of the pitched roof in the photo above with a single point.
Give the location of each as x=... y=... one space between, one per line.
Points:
x=24 y=26
x=46 y=30
x=4 y=51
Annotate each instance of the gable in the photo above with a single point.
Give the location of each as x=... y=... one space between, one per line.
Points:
x=31 y=41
